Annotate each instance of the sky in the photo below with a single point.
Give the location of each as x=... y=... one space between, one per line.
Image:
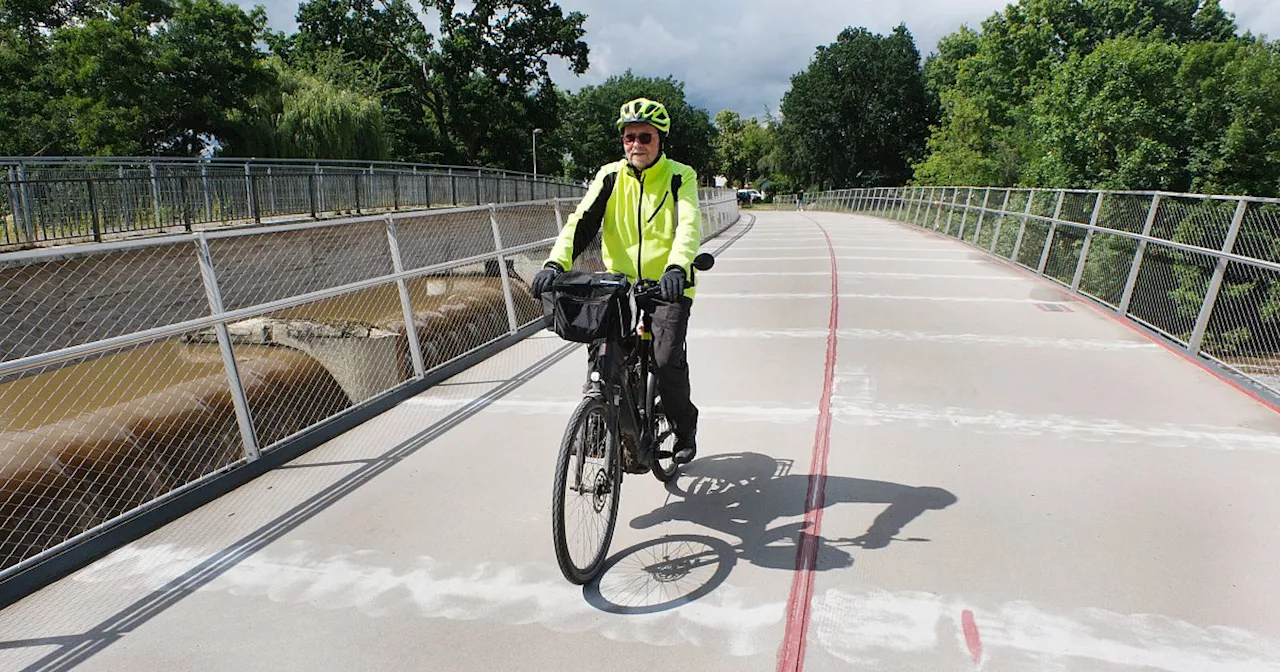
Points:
x=741 y=54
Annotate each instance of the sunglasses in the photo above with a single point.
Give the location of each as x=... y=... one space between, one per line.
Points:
x=643 y=138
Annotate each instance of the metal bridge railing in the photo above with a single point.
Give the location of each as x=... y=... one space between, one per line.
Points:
x=1203 y=271
x=135 y=371
x=61 y=200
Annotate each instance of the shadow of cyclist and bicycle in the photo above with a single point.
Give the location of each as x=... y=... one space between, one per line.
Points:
x=740 y=495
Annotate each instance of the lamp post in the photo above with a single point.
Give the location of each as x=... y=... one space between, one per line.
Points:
x=536 y=131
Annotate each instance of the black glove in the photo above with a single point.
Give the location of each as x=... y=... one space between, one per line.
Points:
x=672 y=284
x=542 y=279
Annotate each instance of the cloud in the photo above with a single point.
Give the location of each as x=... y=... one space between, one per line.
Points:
x=741 y=54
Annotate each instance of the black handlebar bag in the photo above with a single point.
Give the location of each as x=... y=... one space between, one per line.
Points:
x=587 y=307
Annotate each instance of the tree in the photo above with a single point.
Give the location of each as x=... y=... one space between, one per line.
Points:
x=312 y=115
x=1109 y=120
x=987 y=82
x=858 y=115
x=740 y=148
x=130 y=83
x=597 y=140
x=471 y=95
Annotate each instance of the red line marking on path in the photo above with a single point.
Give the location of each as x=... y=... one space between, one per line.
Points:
x=971 y=637
x=791 y=655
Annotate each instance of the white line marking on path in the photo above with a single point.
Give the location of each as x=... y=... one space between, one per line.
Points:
x=997 y=340
x=981 y=421
x=878 y=629
x=849 y=258
x=846 y=295
x=380 y=585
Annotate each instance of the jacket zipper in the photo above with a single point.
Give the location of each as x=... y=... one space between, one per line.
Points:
x=640 y=231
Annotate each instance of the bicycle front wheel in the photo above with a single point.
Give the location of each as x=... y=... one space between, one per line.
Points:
x=585 y=495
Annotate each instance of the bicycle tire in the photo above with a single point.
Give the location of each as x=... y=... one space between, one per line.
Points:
x=664 y=464
x=611 y=479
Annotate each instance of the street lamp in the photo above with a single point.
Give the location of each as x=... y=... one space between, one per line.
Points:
x=536 y=131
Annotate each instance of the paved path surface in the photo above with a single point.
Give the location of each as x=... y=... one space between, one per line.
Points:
x=993 y=485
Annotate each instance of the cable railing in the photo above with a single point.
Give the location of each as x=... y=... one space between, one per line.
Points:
x=58 y=200
x=1203 y=271
x=137 y=373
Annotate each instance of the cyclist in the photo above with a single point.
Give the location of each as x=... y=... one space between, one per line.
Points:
x=631 y=204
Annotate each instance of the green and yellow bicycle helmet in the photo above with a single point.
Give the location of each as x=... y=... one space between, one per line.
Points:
x=647 y=111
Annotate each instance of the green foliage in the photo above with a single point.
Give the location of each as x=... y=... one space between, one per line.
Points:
x=1103 y=93
x=596 y=139
x=312 y=115
x=741 y=148
x=858 y=115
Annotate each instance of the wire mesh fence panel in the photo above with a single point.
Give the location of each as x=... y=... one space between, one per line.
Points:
x=1008 y=226
x=58 y=303
x=273 y=265
x=85 y=441
x=1170 y=289
x=1259 y=235
x=1124 y=212
x=1195 y=221
x=1078 y=206
x=457 y=311
x=443 y=237
x=1106 y=269
x=304 y=364
x=1035 y=235
x=1064 y=252
x=524 y=224
x=1244 y=328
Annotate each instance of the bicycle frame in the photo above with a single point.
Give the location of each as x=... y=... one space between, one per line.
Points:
x=626 y=397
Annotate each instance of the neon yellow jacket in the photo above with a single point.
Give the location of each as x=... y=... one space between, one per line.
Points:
x=634 y=214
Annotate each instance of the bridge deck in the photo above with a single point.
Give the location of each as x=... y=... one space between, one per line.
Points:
x=1013 y=481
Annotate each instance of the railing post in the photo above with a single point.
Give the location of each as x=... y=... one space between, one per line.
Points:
x=1132 y=281
x=964 y=218
x=1053 y=227
x=155 y=192
x=1022 y=226
x=182 y=199
x=238 y=399
x=951 y=211
x=311 y=193
x=251 y=193
x=355 y=178
x=406 y=304
x=559 y=215
x=15 y=201
x=271 y=192
x=479 y=198
x=502 y=268
x=937 y=218
x=93 y=213
x=322 y=200
x=208 y=197
x=1088 y=240
x=426 y=177
x=1215 y=283
x=395 y=190
x=982 y=215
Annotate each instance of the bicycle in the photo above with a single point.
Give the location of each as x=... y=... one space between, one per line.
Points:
x=619 y=422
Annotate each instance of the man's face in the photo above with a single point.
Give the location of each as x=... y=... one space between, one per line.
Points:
x=640 y=144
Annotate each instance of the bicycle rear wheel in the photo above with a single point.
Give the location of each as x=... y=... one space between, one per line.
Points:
x=663 y=441
x=584 y=508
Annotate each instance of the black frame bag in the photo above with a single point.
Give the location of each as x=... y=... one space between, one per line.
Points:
x=581 y=308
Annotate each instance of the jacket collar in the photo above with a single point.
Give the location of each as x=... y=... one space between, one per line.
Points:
x=656 y=166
